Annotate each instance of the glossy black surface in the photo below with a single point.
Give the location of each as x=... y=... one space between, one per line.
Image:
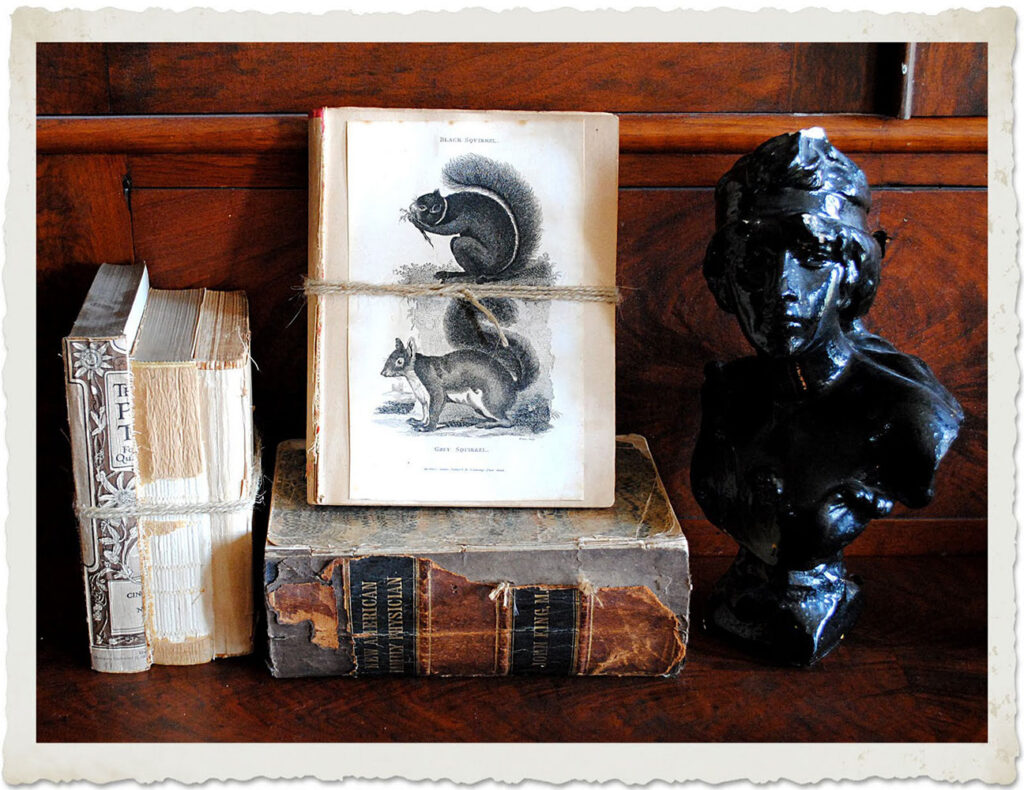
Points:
x=827 y=425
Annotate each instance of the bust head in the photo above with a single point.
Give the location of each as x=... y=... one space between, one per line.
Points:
x=792 y=256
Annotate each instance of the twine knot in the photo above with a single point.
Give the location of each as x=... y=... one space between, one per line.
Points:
x=536 y=293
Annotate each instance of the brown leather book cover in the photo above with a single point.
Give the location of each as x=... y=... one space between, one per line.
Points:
x=477 y=591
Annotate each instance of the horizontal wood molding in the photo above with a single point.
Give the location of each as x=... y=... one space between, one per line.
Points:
x=724 y=133
x=172 y=134
x=643 y=133
x=704 y=170
x=288 y=170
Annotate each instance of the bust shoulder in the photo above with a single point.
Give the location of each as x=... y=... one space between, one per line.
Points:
x=916 y=418
x=903 y=379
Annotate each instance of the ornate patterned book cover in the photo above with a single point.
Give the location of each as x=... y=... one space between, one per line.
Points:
x=99 y=395
x=477 y=591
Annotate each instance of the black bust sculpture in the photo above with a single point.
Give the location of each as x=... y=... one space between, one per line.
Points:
x=827 y=425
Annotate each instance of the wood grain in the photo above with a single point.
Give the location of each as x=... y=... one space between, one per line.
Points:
x=97 y=78
x=288 y=170
x=253 y=240
x=219 y=200
x=853 y=134
x=187 y=134
x=912 y=670
x=616 y=77
x=640 y=133
x=889 y=169
x=951 y=78
x=82 y=220
x=82 y=214
x=933 y=303
x=71 y=78
x=911 y=535
x=280 y=169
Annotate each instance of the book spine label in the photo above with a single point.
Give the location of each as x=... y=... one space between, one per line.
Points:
x=545 y=630
x=99 y=393
x=383 y=606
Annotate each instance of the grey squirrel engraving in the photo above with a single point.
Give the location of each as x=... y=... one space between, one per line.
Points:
x=482 y=373
x=494 y=218
x=492 y=213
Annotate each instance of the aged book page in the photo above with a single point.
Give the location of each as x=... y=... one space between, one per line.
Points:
x=194 y=428
x=420 y=399
x=539 y=454
x=175 y=547
x=222 y=361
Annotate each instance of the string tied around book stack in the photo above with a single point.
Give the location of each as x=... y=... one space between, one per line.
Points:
x=155 y=509
x=473 y=295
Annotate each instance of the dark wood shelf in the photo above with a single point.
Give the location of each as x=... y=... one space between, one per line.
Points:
x=913 y=670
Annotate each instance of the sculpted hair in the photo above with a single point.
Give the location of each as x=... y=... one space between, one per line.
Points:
x=803 y=188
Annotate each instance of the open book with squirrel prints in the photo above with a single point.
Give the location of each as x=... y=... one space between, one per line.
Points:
x=458 y=353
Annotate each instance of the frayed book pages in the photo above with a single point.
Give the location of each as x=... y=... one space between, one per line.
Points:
x=195 y=474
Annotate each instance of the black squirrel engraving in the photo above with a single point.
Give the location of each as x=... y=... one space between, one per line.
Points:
x=493 y=214
x=481 y=373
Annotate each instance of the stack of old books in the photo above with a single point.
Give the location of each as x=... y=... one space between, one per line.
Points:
x=160 y=411
x=461 y=505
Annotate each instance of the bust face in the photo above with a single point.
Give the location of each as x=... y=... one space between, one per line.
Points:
x=786 y=291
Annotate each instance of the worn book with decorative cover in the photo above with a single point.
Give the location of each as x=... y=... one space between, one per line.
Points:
x=99 y=394
x=160 y=416
x=461 y=307
x=477 y=591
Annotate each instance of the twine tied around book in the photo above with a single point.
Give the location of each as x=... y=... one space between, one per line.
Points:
x=504 y=591
x=163 y=508
x=536 y=293
x=588 y=589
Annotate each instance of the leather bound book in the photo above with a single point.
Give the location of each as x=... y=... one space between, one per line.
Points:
x=477 y=591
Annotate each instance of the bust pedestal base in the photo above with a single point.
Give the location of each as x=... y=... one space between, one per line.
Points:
x=787 y=616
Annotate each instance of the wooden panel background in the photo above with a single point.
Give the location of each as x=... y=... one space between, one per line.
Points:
x=950 y=79
x=215 y=195
x=614 y=77
x=220 y=201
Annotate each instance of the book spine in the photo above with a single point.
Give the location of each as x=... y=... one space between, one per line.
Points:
x=402 y=615
x=100 y=417
x=317 y=270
